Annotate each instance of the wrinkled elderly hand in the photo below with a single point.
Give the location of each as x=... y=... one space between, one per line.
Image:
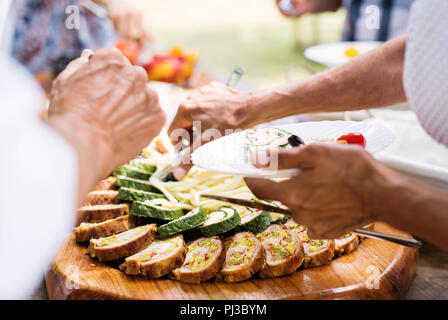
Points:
x=215 y=108
x=103 y=107
x=328 y=195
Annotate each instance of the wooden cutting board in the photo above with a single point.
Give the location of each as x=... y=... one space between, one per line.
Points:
x=376 y=270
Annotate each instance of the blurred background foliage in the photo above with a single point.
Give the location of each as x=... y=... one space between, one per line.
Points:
x=250 y=33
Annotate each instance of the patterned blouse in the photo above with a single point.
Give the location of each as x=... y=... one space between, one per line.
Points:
x=42 y=42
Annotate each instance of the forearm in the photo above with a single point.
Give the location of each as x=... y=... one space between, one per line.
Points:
x=373 y=80
x=92 y=150
x=408 y=205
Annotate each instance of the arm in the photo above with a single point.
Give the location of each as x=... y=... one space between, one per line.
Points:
x=101 y=115
x=408 y=205
x=102 y=106
x=373 y=80
x=333 y=200
x=127 y=19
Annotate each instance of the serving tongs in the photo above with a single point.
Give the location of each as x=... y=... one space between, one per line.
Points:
x=166 y=174
x=413 y=243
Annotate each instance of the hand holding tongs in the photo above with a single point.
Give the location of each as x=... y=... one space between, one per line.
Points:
x=413 y=243
x=166 y=174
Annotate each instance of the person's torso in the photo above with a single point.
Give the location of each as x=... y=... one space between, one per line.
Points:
x=375 y=20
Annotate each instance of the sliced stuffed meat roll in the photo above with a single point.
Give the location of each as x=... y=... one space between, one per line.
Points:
x=244 y=256
x=284 y=251
x=122 y=244
x=203 y=261
x=346 y=244
x=158 y=259
x=87 y=231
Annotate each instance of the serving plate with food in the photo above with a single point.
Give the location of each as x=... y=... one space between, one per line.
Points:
x=142 y=238
x=230 y=154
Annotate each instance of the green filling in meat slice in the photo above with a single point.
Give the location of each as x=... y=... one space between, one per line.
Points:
x=191 y=220
x=220 y=221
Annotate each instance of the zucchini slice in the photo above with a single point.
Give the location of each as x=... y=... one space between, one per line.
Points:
x=279 y=218
x=128 y=182
x=161 y=210
x=220 y=221
x=255 y=220
x=143 y=165
x=132 y=172
x=129 y=194
x=191 y=220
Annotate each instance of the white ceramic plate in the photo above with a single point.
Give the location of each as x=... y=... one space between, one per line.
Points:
x=333 y=54
x=229 y=154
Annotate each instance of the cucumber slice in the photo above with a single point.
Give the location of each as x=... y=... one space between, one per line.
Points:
x=278 y=217
x=132 y=172
x=127 y=182
x=191 y=220
x=155 y=211
x=137 y=195
x=142 y=164
x=220 y=221
x=255 y=220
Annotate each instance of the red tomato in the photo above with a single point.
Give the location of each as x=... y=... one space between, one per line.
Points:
x=353 y=138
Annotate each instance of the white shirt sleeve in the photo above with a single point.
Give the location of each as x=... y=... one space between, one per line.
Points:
x=38 y=185
x=425 y=76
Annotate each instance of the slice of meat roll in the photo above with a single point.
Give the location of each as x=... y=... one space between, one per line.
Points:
x=204 y=259
x=244 y=256
x=87 y=231
x=346 y=244
x=122 y=244
x=284 y=251
x=158 y=259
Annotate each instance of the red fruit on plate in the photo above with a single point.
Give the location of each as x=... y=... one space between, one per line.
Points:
x=354 y=138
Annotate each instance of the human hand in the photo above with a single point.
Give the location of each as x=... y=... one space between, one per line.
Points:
x=127 y=19
x=299 y=7
x=102 y=105
x=328 y=195
x=211 y=112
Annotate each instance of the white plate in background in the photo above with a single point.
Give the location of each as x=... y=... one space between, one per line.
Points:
x=333 y=54
x=229 y=154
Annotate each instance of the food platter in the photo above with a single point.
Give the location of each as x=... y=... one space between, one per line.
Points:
x=376 y=270
x=141 y=237
x=229 y=154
